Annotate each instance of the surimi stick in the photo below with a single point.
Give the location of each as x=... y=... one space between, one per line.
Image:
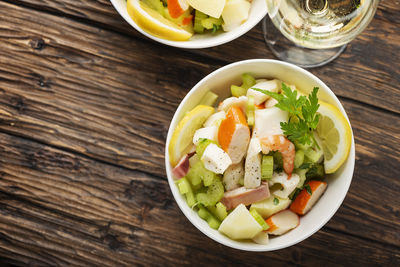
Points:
x=177 y=7
x=234 y=134
x=304 y=201
x=281 y=222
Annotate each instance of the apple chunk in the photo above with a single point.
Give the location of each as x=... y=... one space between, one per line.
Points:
x=268 y=206
x=261 y=238
x=213 y=8
x=235 y=13
x=239 y=224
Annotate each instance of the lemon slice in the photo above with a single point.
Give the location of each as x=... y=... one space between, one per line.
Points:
x=183 y=134
x=154 y=23
x=335 y=134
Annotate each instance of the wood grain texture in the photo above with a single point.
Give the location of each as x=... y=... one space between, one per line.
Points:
x=97 y=214
x=92 y=95
x=85 y=103
x=55 y=84
x=361 y=61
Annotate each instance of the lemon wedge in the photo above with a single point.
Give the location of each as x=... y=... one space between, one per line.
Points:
x=335 y=134
x=183 y=134
x=154 y=23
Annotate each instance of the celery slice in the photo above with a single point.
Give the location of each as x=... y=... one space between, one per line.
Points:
x=183 y=186
x=221 y=211
x=248 y=81
x=209 y=22
x=303 y=147
x=203 y=213
x=198 y=173
x=209 y=99
x=208 y=177
x=259 y=219
x=203 y=143
x=190 y=199
x=299 y=158
x=213 y=223
x=267 y=167
x=302 y=175
x=237 y=90
x=214 y=193
x=157 y=5
x=218 y=211
x=313 y=154
x=250 y=111
x=207 y=216
x=194 y=174
x=185 y=189
x=198 y=17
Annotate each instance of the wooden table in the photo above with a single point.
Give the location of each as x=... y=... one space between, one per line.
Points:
x=85 y=104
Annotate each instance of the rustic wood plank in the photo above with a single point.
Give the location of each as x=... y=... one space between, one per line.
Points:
x=84 y=94
x=377 y=138
x=58 y=208
x=361 y=62
x=101 y=11
x=94 y=97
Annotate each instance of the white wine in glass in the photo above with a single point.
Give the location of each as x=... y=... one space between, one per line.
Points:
x=311 y=33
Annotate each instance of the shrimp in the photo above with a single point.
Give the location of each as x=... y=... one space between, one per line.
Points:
x=282 y=144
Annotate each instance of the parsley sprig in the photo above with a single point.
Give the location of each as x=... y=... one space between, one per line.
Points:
x=303 y=111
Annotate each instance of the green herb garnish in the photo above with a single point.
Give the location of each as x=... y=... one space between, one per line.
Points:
x=305 y=165
x=215 y=28
x=276 y=201
x=308 y=189
x=302 y=107
x=294 y=194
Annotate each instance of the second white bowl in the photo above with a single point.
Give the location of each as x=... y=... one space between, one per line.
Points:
x=258 y=11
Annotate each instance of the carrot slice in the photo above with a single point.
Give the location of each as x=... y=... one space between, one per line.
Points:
x=272 y=226
x=187 y=20
x=304 y=201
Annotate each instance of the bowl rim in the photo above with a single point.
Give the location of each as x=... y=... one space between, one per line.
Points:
x=212 y=42
x=183 y=205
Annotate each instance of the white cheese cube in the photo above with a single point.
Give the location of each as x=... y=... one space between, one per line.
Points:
x=215 y=159
x=206 y=132
x=267 y=121
x=215 y=119
x=272 y=86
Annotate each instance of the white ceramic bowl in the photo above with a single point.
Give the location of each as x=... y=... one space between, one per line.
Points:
x=219 y=82
x=257 y=11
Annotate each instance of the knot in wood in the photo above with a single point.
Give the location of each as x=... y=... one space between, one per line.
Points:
x=37 y=43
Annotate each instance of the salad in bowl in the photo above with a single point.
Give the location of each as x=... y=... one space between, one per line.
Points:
x=253 y=162
x=192 y=23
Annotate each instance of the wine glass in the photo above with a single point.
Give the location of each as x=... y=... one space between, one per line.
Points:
x=311 y=33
